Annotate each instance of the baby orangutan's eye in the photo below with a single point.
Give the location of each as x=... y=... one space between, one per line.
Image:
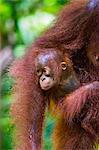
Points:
x=47 y=71
x=47 y=75
x=39 y=72
x=97 y=58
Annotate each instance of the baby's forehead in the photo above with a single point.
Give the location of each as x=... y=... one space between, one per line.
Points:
x=44 y=58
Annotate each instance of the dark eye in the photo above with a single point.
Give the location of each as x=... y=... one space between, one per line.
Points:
x=39 y=72
x=47 y=75
x=46 y=71
x=97 y=58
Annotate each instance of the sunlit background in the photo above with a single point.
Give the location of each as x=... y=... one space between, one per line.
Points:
x=21 y=22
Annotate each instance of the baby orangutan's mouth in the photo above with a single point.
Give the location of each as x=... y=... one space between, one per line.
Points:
x=46 y=87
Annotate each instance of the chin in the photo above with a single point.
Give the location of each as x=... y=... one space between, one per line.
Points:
x=45 y=88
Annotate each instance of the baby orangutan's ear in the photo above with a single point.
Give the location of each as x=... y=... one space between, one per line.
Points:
x=64 y=65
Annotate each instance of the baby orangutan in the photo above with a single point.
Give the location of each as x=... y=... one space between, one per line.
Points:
x=55 y=73
x=49 y=76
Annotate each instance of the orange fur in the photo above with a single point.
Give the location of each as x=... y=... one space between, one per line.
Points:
x=74 y=103
x=71 y=35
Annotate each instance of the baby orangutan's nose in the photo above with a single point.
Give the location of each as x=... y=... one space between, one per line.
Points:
x=43 y=78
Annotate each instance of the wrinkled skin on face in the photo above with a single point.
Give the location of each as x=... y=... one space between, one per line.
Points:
x=47 y=76
x=44 y=72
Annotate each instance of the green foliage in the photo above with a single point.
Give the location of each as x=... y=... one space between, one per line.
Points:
x=31 y=26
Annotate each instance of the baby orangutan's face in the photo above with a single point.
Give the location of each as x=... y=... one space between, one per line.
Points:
x=64 y=80
x=47 y=75
x=46 y=78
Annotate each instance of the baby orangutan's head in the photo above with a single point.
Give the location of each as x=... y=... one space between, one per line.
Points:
x=53 y=69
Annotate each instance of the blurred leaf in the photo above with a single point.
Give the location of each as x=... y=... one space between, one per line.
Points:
x=62 y=2
x=31 y=26
x=6 y=84
x=5 y=122
x=5 y=13
x=19 y=51
x=6 y=134
x=5 y=10
x=50 y=2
